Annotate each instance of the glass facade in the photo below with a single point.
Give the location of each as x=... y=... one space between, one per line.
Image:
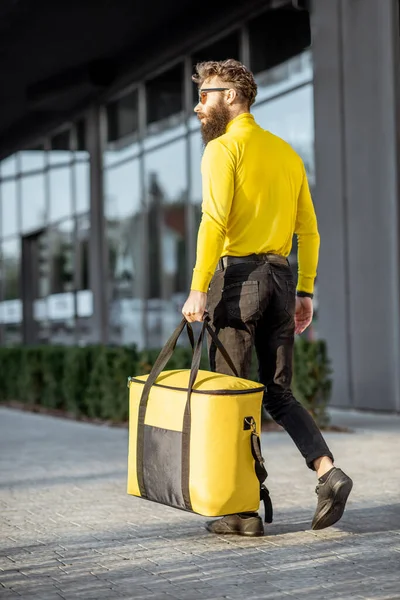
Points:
x=150 y=187
x=44 y=195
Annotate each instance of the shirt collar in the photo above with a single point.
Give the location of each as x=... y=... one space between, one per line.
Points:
x=239 y=119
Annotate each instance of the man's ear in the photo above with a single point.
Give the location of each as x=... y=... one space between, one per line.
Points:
x=232 y=95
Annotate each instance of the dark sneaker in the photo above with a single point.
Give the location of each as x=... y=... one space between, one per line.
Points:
x=332 y=497
x=251 y=526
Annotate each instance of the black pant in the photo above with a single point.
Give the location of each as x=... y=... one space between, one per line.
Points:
x=253 y=304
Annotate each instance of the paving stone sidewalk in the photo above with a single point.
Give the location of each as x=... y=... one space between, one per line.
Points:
x=69 y=530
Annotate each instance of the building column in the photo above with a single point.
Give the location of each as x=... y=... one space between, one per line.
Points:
x=355 y=49
x=98 y=260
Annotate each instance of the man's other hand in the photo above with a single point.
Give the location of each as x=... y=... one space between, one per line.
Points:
x=304 y=314
x=195 y=306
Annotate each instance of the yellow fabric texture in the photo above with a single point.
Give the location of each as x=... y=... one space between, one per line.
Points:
x=222 y=475
x=255 y=198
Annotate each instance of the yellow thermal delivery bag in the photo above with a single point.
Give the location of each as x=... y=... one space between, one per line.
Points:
x=193 y=441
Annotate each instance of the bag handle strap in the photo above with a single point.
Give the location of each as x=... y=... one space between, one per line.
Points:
x=195 y=366
x=169 y=348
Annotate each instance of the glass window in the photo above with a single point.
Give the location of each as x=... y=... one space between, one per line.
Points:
x=9 y=208
x=61 y=302
x=122 y=129
x=84 y=295
x=165 y=104
x=81 y=150
x=227 y=47
x=276 y=36
x=33 y=206
x=82 y=262
x=122 y=117
x=82 y=186
x=196 y=153
x=291 y=117
x=125 y=235
x=32 y=159
x=11 y=265
x=61 y=252
x=195 y=191
x=292 y=73
x=60 y=147
x=124 y=149
x=60 y=193
x=11 y=306
x=8 y=166
x=166 y=197
x=42 y=252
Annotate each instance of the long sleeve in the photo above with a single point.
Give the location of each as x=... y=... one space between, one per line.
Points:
x=308 y=239
x=218 y=176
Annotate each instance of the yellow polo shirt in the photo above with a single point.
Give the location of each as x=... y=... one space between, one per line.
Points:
x=255 y=197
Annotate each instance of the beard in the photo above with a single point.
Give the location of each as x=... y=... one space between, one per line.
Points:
x=217 y=121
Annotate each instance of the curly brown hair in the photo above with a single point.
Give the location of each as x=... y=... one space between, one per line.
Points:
x=229 y=71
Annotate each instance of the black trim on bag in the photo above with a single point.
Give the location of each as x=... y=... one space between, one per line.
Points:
x=185 y=458
x=207 y=392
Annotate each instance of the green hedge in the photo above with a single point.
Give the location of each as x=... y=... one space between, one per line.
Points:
x=91 y=381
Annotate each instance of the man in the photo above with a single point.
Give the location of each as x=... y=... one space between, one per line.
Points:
x=255 y=197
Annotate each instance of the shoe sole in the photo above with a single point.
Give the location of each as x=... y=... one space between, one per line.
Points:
x=243 y=533
x=334 y=509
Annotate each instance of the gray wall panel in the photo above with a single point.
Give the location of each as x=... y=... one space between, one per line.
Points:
x=361 y=295
x=330 y=200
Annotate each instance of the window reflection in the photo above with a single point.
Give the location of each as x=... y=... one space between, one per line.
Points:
x=61 y=252
x=165 y=115
x=276 y=36
x=11 y=306
x=124 y=216
x=84 y=296
x=291 y=117
x=81 y=150
x=122 y=129
x=32 y=159
x=122 y=116
x=36 y=286
x=61 y=302
x=60 y=193
x=292 y=73
x=33 y=202
x=11 y=261
x=165 y=95
x=195 y=193
x=82 y=262
x=60 y=148
x=196 y=153
x=169 y=130
x=9 y=208
x=8 y=166
x=117 y=152
x=166 y=195
x=42 y=255
x=82 y=186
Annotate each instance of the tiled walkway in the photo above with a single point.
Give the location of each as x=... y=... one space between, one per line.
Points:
x=68 y=529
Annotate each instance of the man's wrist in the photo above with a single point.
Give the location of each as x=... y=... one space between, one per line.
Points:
x=301 y=294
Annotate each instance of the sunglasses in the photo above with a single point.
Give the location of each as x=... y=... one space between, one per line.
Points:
x=203 y=93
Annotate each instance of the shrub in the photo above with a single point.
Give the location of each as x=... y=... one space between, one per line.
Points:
x=91 y=381
x=312 y=382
